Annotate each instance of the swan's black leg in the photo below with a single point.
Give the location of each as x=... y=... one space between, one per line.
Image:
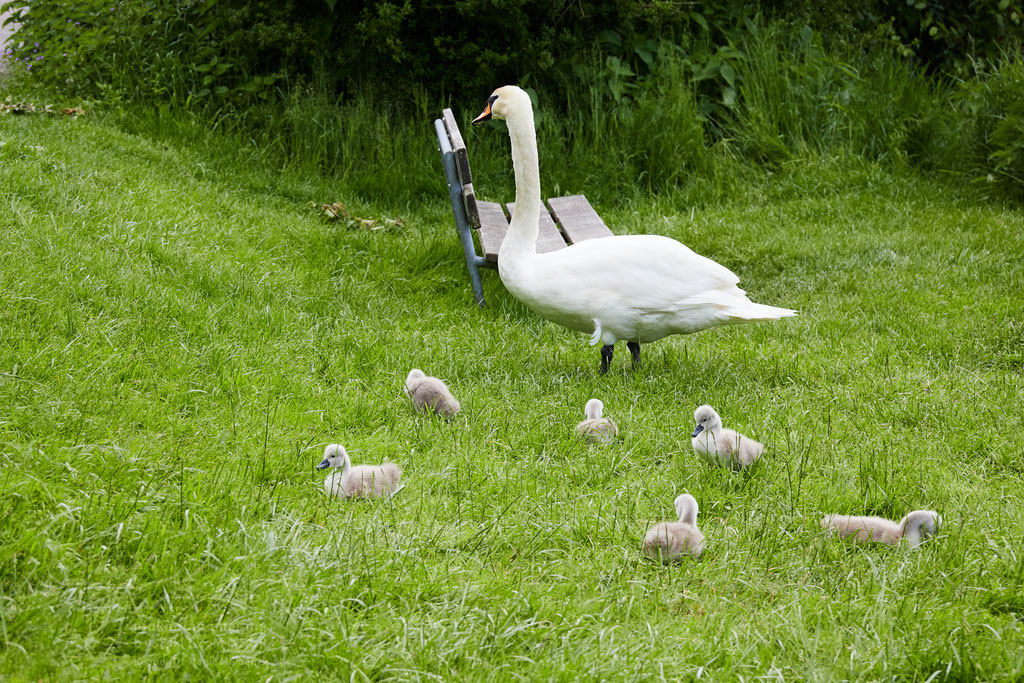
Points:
x=606 y=357
x=634 y=348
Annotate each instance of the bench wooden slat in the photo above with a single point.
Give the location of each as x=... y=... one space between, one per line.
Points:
x=493 y=226
x=469 y=200
x=458 y=146
x=577 y=218
x=462 y=166
x=549 y=238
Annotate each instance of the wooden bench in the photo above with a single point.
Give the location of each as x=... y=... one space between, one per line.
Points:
x=566 y=221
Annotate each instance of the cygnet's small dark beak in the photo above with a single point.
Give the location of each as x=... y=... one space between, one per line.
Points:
x=485 y=116
x=324 y=465
x=697 y=431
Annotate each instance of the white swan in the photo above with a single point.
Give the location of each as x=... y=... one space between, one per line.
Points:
x=913 y=528
x=669 y=541
x=637 y=288
x=595 y=428
x=430 y=392
x=720 y=446
x=361 y=481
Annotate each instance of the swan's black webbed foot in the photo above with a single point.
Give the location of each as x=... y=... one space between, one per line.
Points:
x=634 y=348
x=606 y=357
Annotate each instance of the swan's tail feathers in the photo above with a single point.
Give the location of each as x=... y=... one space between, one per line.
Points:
x=749 y=311
x=731 y=306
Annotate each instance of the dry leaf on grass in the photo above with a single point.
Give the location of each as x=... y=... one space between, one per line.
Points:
x=338 y=213
x=17 y=108
x=9 y=106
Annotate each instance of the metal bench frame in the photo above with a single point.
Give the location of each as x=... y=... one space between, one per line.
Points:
x=571 y=219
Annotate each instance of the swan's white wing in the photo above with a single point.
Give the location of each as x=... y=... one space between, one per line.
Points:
x=636 y=287
x=653 y=272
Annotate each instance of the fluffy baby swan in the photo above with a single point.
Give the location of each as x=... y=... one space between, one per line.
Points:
x=361 y=481
x=430 y=392
x=669 y=541
x=913 y=528
x=596 y=429
x=722 y=446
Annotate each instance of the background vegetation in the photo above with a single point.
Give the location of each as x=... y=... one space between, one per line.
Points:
x=181 y=334
x=666 y=89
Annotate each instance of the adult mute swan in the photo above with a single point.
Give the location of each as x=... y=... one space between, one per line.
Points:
x=637 y=288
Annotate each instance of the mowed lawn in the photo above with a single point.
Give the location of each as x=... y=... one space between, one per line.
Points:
x=181 y=335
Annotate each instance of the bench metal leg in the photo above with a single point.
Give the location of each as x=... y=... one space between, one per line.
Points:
x=471 y=264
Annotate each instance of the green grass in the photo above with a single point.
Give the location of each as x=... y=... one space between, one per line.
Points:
x=180 y=336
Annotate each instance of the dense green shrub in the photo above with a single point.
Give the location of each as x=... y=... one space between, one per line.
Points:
x=992 y=129
x=629 y=89
x=185 y=52
x=190 y=51
x=950 y=35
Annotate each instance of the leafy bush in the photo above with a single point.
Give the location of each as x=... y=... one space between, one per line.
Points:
x=631 y=91
x=951 y=35
x=992 y=112
x=185 y=52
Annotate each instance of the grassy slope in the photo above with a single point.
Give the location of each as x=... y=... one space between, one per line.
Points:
x=179 y=339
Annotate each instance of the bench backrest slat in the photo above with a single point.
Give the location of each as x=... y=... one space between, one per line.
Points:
x=472 y=205
x=577 y=218
x=462 y=164
x=458 y=146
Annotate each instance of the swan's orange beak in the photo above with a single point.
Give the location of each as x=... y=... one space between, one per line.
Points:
x=485 y=116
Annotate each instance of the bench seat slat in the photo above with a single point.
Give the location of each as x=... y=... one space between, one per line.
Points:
x=577 y=218
x=493 y=226
x=549 y=239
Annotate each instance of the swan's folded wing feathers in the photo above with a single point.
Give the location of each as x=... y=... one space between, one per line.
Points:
x=647 y=267
x=725 y=443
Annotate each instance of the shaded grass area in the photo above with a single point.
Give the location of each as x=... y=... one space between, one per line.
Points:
x=180 y=336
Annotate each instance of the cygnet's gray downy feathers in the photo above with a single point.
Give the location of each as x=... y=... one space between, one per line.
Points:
x=360 y=481
x=671 y=541
x=913 y=528
x=720 y=446
x=430 y=393
x=595 y=428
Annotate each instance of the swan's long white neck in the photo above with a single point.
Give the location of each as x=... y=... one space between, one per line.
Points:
x=521 y=239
